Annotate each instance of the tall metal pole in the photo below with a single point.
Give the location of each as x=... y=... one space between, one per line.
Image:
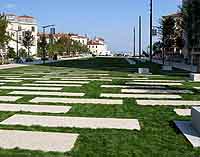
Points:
x=151 y=32
x=44 y=40
x=140 y=36
x=134 y=42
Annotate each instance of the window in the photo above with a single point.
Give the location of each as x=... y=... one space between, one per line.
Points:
x=19 y=28
x=33 y=29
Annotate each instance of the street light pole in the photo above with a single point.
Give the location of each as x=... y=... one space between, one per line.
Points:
x=140 y=36
x=134 y=42
x=151 y=32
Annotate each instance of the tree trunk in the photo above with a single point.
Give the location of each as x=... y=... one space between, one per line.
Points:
x=198 y=63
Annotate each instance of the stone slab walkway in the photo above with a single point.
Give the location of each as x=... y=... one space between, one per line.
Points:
x=9 y=66
x=64 y=82
x=77 y=122
x=141 y=96
x=46 y=93
x=31 y=88
x=156 y=91
x=34 y=108
x=33 y=140
x=183 y=112
x=133 y=86
x=9 y=98
x=106 y=80
x=154 y=83
x=77 y=101
x=11 y=81
x=168 y=103
x=53 y=85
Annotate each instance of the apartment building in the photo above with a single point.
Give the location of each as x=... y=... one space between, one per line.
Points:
x=16 y=29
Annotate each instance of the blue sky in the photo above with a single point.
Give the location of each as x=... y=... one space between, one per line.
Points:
x=111 y=19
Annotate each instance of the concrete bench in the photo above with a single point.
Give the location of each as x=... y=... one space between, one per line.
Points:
x=167 y=68
x=196 y=118
x=143 y=71
x=195 y=77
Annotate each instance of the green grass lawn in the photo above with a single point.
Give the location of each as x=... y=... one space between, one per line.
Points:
x=157 y=138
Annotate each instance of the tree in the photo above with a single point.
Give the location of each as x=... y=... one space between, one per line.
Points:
x=167 y=34
x=191 y=16
x=28 y=41
x=4 y=37
x=11 y=52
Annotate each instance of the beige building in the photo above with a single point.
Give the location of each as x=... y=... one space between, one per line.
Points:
x=16 y=30
x=98 y=47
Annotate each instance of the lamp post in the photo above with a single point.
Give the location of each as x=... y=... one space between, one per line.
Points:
x=44 y=40
x=134 y=42
x=151 y=32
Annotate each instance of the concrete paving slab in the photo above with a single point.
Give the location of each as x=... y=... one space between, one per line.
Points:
x=141 y=96
x=9 y=98
x=53 y=85
x=156 y=91
x=46 y=93
x=165 y=81
x=88 y=74
x=123 y=78
x=34 y=108
x=64 y=82
x=189 y=132
x=77 y=101
x=77 y=122
x=21 y=78
x=155 y=83
x=133 y=86
x=107 y=80
x=168 y=103
x=42 y=141
x=11 y=81
x=183 y=112
x=31 y=88
x=10 y=66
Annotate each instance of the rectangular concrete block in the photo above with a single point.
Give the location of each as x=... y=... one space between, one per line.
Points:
x=31 y=88
x=196 y=118
x=167 y=68
x=46 y=93
x=77 y=101
x=42 y=141
x=168 y=103
x=34 y=108
x=141 y=96
x=64 y=82
x=143 y=71
x=77 y=122
x=195 y=77
x=189 y=132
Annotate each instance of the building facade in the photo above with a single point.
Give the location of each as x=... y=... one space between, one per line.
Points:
x=98 y=47
x=16 y=29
